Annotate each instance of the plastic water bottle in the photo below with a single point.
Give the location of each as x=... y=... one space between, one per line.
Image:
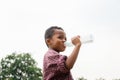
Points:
x=84 y=40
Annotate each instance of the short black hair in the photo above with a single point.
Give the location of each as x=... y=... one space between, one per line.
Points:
x=50 y=32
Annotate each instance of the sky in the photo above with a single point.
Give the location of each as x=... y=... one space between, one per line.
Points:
x=23 y=23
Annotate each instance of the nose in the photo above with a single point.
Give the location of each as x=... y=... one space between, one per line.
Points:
x=64 y=40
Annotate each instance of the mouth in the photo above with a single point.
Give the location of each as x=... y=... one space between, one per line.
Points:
x=64 y=45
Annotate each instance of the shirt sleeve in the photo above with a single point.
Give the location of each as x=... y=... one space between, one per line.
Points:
x=57 y=63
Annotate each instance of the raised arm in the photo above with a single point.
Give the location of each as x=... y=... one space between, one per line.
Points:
x=73 y=56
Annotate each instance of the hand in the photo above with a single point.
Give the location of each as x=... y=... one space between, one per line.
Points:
x=76 y=40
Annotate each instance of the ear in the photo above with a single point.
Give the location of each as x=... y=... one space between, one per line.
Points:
x=48 y=41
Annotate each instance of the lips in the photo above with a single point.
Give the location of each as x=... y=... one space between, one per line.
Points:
x=64 y=46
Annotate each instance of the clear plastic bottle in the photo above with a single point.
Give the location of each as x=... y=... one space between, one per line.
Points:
x=84 y=40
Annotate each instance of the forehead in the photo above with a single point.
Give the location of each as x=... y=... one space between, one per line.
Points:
x=59 y=31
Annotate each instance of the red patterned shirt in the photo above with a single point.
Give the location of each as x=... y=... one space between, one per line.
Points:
x=54 y=67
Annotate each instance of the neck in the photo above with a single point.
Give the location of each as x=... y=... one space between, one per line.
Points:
x=54 y=49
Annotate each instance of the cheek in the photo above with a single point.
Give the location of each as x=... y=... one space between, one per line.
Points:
x=57 y=44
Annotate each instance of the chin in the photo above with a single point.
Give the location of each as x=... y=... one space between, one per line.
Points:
x=62 y=50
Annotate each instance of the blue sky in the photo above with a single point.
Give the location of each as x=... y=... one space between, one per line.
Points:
x=22 y=26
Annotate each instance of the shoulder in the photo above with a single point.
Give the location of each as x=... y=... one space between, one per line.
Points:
x=52 y=54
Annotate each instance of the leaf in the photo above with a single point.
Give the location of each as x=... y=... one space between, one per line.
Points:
x=19 y=67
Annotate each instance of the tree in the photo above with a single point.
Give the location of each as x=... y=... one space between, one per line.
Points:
x=19 y=67
x=100 y=78
x=82 y=78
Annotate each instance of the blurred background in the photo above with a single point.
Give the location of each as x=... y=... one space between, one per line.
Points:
x=23 y=23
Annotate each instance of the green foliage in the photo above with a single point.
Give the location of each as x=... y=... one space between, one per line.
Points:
x=100 y=78
x=82 y=78
x=19 y=67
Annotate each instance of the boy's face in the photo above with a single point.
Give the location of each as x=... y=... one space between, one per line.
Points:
x=57 y=40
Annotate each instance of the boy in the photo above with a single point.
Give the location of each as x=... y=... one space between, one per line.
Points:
x=55 y=65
